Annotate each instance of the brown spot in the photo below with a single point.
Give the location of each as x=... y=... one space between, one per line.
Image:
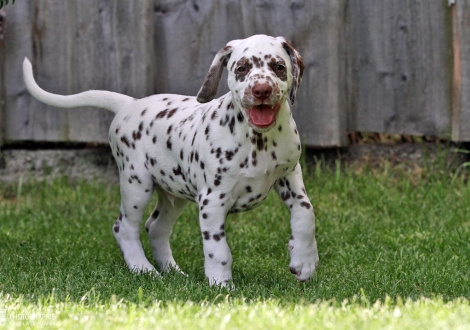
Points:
x=125 y=140
x=168 y=143
x=257 y=61
x=306 y=205
x=136 y=135
x=285 y=195
x=231 y=125
x=171 y=113
x=161 y=114
x=155 y=213
x=240 y=117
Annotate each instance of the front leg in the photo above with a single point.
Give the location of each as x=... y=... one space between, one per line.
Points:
x=217 y=256
x=302 y=244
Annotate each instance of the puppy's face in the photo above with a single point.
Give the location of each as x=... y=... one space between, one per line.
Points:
x=263 y=72
x=260 y=77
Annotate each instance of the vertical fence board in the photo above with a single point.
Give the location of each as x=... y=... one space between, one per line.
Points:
x=461 y=127
x=315 y=30
x=3 y=21
x=375 y=66
x=112 y=50
x=403 y=67
x=75 y=46
x=188 y=35
x=25 y=118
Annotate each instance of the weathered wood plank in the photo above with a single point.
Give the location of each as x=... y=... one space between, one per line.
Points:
x=461 y=122
x=18 y=43
x=315 y=29
x=2 y=69
x=375 y=66
x=112 y=50
x=403 y=65
x=76 y=46
x=190 y=33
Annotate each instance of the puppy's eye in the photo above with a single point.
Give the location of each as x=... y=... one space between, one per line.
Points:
x=280 y=67
x=241 y=69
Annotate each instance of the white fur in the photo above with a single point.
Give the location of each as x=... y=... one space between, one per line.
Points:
x=210 y=153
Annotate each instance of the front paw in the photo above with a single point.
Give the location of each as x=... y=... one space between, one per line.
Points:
x=304 y=261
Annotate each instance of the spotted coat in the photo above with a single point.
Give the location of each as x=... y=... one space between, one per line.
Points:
x=224 y=153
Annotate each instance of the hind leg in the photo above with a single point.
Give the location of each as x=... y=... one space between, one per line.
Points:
x=159 y=227
x=136 y=191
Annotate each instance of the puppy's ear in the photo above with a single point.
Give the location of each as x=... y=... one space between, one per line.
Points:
x=297 y=68
x=211 y=84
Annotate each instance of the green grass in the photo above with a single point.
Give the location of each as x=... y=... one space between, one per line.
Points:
x=394 y=250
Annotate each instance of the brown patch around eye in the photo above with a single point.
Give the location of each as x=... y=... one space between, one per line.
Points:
x=242 y=67
x=278 y=66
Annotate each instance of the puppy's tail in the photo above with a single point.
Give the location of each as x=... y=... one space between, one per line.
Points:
x=102 y=99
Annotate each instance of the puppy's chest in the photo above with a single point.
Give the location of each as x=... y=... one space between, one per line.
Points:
x=258 y=177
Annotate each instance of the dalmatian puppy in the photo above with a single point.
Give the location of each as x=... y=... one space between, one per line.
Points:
x=225 y=154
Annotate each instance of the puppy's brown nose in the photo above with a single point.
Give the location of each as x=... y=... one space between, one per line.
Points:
x=262 y=91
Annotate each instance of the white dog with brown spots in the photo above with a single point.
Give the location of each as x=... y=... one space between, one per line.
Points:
x=224 y=154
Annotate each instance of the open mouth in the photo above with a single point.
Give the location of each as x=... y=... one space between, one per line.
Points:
x=263 y=115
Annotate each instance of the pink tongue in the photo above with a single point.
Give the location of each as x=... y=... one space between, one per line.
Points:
x=261 y=115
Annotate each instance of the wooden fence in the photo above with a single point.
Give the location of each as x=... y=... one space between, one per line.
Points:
x=400 y=66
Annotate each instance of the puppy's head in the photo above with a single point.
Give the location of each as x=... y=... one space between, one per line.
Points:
x=263 y=72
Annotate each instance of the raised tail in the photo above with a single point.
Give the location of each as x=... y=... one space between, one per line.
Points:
x=101 y=99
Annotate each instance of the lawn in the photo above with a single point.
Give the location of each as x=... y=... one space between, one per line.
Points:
x=394 y=246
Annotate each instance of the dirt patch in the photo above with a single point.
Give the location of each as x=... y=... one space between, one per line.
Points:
x=28 y=165
x=405 y=155
x=98 y=164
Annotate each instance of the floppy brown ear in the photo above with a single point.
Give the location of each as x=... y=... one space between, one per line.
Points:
x=297 y=69
x=211 y=84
